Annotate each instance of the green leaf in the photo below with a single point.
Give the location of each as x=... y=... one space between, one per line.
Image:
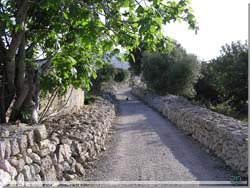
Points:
x=125 y=3
x=65 y=15
x=133 y=57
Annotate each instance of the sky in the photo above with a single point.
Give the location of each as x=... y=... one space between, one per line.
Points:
x=219 y=21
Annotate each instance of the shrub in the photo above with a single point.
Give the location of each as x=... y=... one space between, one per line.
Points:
x=120 y=75
x=225 y=78
x=174 y=73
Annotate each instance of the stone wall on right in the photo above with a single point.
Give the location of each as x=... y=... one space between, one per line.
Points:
x=224 y=136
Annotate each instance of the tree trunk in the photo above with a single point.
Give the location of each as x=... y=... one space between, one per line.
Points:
x=25 y=107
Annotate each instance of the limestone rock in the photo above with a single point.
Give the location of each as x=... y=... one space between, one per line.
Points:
x=65 y=166
x=69 y=177
x=36 y=168
x=32 y=171
x=80 y=170
x=63 y=153
x=2 y=149
x=52 y=147
x=7 y=149
x=65 y=140
x=40 y=133
x=5 y=178
x=14 y=146
x=27 y=174
x=6 y=166
x=44 y=144
x=48 y=171
x=27 y=159
x=36 y=158
x=20 y=179
x=22 y=142
x=30 y=138
x=17 y=163
x=4 y=132
x=44 y=152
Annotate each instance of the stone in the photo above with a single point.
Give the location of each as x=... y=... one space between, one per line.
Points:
x=14 y=146
x=5 y=178
x=22 y=142
x=69 y=177
x=27 y=174
x=81 y=159
x=44 y=152
x=19 y=156
x=38 y=180
x=63 y=152
x=59 y=171
x=52 y=147
x=36 y=168
x=78 y=148
x=6 y=166
x=35 y=147
x=65 y=166
x=79 y=169
x=20 y=179
x=7 y=149
x=29 y=150
x=65 y=140
x=44 y=144
x=13 y=161
x=36 y=158
x=2 y=149
x=4 y=132
x=32 y=171
x=30 y=138
x=27 y=159
x=40 y=133
x=17 y=163
x=55 y=140
x=48 y=171
x=72 y=160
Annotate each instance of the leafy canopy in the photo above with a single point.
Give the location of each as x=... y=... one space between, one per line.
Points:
x=225 y=78
x=77 y=36
x=173 y=73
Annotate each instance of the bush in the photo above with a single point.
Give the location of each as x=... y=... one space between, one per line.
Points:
x=120 y=75
x=174 y=73
x=225 y=79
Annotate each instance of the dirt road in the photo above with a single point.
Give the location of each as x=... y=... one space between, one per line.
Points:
x=147 y=147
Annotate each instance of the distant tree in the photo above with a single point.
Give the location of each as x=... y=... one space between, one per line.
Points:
x=225 y=78
x=174 y=73
x=121 y=75
x=135 y=60
x=232 y=73
x=206 y=87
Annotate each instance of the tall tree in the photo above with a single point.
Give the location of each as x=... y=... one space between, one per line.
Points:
x=227 y=77
x=54 y=44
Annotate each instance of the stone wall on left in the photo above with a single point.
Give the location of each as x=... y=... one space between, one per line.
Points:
x=58 y=150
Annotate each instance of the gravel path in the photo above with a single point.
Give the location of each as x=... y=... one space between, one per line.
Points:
x=145 y=146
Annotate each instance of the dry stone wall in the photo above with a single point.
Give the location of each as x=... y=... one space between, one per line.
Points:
x=73 y=100
x=60 y=149
x=222 y=135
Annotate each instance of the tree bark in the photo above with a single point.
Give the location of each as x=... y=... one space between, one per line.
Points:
x=15 y=67
x=2 y=82
x=30 y=104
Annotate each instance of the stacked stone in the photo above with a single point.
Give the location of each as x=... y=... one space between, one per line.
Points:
x=58 y=151
x=222 y=135
x=79 y=138
x=21 y=154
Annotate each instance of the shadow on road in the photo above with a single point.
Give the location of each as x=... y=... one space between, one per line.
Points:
x=186 y=150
